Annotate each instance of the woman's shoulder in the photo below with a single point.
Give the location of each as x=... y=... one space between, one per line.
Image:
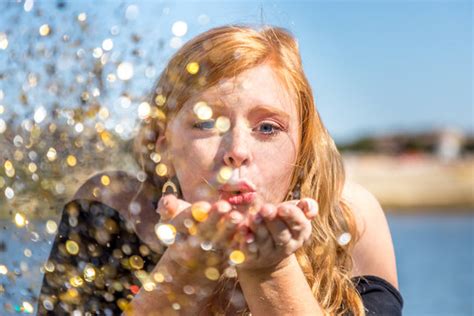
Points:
x=119 y=190
x=373 y=253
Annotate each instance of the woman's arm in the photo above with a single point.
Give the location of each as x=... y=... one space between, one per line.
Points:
x=282 y=290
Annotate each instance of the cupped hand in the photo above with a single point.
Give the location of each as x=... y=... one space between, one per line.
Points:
x=276 y=232
x=204 y=231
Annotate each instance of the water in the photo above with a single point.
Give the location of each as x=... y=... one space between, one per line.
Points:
x=434 y=262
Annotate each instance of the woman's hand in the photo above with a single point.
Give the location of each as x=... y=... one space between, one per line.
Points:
x=205 y=231
x=276 y=232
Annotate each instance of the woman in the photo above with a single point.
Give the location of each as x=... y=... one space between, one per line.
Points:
x=234 y=134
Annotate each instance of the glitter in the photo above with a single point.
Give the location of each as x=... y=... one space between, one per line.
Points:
x=156 y=157
x=79 y=127
x=20 y=220
x=225 y=173
x=28 y=5
x=161 y=169
x=179 y=28
x=76 y=281
x=122 y=304
x=44 y=30
x=51 y=227
x=8 y=165
x=344 y=239
x=71 y=161
x=212 y=273
x=125 y=71
x=236 y=257
x=202 y=110
x=166 y=233
x=105 y=180
x=18 y=141
x=51 y=154
x=27 y=307
x=97 y=52
x=206 y=245
x=27 y=252
x=40 y=114
x=141 y=176
x=3 y=269
x=158 y=277
x=89 y=273
x=134 y=289
x=149 y=286
x=136 y=262
x=111 y=78
x=222 y=124
x=188 y=289
x=72 y=247
x=160 y=100
x=9 y=193
x=200 y=211
x=3 y=126
x=48 y=305
x=49 y=266
x=176 y=306
x=81 y=17
x=131 y=13
x=3 y=41
x=144 y=110
x=103 y=113
x=107 y=44
x=192 y=68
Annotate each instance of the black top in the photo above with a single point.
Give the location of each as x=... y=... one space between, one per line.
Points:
x=96 y=253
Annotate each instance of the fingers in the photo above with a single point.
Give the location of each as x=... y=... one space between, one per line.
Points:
x=278 y=229
x=309 y=206
x=227 y=228
x=216 y=213
x=295 y=220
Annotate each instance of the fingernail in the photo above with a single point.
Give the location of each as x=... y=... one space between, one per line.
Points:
x=313 y=206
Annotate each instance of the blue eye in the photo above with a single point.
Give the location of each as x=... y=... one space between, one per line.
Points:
x=204 y=125
x=269 y=129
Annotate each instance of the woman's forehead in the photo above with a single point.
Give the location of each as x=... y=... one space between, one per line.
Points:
x=257 y=87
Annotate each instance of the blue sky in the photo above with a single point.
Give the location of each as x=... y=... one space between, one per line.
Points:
x=375 y=66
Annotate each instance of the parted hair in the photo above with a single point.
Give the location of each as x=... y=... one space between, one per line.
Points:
x=225 y=52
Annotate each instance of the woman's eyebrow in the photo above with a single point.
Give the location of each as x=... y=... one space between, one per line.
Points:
x=264 y=108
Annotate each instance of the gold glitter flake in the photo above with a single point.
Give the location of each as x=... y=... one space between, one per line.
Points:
x=71 y=161
x=160 y=100
x=236 y=257
x=199 y=211
x=192 y=68
x=72 y=247
x=225 y=173
x=161 y=169
x=20 y=220
x=136 y=262
x=51 y=227
x=105 y=180
x=76 y=281
x=212 y=273
x=44 y=30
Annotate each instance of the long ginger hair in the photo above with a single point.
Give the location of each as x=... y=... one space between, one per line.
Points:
x=225 y=52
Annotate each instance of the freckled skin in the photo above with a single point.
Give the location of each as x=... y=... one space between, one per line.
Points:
x=267 y=161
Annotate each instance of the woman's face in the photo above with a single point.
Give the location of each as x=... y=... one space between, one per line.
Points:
x=249 y=144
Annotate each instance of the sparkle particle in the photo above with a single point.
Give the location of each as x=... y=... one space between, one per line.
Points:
x=202 y=110
x=20 y=220
x=179 y=28
x=72 y=247
x=166 y=233
x=105 y=180
x=44 y=30
x=212 y=273
x=344 y=239
x=225 y=173
x=3 y=41
x=71 y=161
x=51 y=154
x=199 y=211
x=236 y=257
x=192 y=68
x=222 y=124
x=51 y=227
x=161 y=169
x=125 y=71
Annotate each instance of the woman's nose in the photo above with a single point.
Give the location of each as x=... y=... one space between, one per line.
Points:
x=238 y=149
